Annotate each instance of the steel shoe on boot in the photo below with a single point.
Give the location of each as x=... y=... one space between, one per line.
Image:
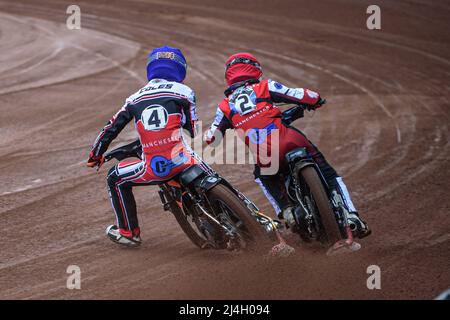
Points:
x=131 y=240
x=359 y=228
x=288 y=216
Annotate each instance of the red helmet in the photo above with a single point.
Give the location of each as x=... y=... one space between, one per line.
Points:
x=242 y=66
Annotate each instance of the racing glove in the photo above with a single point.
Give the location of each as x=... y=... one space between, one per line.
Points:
x=319 y=104
x=94 y=160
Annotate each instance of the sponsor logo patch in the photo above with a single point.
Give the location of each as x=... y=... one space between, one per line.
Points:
x=162 y=166
x=278 y=85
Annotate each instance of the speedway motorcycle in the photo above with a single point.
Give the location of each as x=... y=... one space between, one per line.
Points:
x=320 y=213
x=210 y=211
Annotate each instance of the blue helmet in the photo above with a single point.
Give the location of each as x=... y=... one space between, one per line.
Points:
x=166 y=63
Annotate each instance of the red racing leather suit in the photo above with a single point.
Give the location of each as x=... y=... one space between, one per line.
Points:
x=160 y=110
x=250 y=109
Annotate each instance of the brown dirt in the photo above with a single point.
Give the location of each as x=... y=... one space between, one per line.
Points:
x=385 y=128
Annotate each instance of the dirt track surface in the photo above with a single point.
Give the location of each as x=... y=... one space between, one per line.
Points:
x=385 y=128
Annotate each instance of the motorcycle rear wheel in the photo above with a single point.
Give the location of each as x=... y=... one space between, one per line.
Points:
x=255 y=236
x=327 y=217
x=192 y=231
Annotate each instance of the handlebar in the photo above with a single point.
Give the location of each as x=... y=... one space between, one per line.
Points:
x=298 y=111
x=133 y=149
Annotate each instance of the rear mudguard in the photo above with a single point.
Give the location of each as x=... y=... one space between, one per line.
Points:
x=309 y=163
x=199 y=179
x=208 y=182
x=196 y=177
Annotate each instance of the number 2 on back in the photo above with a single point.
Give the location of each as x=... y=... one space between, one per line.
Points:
x=244 y=104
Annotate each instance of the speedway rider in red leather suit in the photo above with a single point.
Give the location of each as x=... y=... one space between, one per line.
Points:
x=160 y=110
x=249 y=108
